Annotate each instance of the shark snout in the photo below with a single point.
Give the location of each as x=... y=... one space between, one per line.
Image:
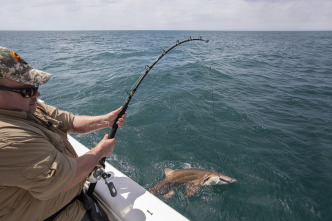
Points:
x=226 y=180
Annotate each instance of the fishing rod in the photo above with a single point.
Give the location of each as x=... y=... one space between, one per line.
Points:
x=99 y=172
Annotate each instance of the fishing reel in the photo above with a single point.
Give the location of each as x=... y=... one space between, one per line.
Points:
x=98 y=174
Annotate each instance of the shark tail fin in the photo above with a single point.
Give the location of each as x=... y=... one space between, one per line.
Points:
x=168 y=171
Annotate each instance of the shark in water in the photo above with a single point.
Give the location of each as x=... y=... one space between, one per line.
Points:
x=191 y=178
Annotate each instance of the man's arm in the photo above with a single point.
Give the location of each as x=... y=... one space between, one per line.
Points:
x=87 y=162
x=87 y=124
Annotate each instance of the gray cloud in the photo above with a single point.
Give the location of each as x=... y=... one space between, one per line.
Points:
x=166 y=14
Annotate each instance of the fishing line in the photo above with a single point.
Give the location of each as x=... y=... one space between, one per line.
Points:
x=213 y=107
x=207 y=65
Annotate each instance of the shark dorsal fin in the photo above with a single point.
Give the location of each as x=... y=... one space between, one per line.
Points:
x=168 y=171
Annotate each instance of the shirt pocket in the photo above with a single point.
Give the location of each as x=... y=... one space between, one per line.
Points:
x=43 y=169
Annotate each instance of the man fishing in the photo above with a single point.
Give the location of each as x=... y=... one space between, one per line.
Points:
x=41 y=176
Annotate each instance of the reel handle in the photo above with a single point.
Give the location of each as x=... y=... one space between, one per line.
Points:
x=112 y=189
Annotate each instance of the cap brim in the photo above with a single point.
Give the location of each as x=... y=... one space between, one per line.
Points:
x=38 y=77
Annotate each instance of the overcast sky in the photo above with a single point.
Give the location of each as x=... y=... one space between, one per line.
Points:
x=166 y=15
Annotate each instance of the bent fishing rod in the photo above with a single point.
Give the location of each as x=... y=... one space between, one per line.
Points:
x=99 y=172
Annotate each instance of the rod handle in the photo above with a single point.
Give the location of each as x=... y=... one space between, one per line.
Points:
x=115 y=126
x=91 y=189
x=114 y=129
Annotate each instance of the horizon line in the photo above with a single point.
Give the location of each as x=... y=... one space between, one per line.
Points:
x=322 y=30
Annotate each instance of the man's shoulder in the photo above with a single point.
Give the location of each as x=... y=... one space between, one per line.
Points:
x=11 y=127
x=46 y=108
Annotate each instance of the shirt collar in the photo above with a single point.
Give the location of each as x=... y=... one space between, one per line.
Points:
x=18 y=114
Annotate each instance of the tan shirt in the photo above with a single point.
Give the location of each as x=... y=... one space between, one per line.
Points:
x=36 y=164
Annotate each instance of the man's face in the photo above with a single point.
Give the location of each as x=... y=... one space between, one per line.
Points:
x=10 y=100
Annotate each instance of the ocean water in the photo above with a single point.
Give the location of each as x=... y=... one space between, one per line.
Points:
x=256 y=106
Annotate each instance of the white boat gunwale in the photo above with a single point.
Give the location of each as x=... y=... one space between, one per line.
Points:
x=133 y=202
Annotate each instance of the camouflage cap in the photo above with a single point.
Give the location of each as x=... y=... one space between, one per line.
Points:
x=13 y=67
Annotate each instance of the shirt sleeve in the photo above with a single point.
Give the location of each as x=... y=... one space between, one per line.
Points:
x=64 y=117
x=31 y=162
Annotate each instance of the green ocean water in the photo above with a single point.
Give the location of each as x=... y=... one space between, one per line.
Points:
x=256 y=106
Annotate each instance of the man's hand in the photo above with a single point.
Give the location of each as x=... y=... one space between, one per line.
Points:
x=106 y=146
x=111 y=117
x=87 y=124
